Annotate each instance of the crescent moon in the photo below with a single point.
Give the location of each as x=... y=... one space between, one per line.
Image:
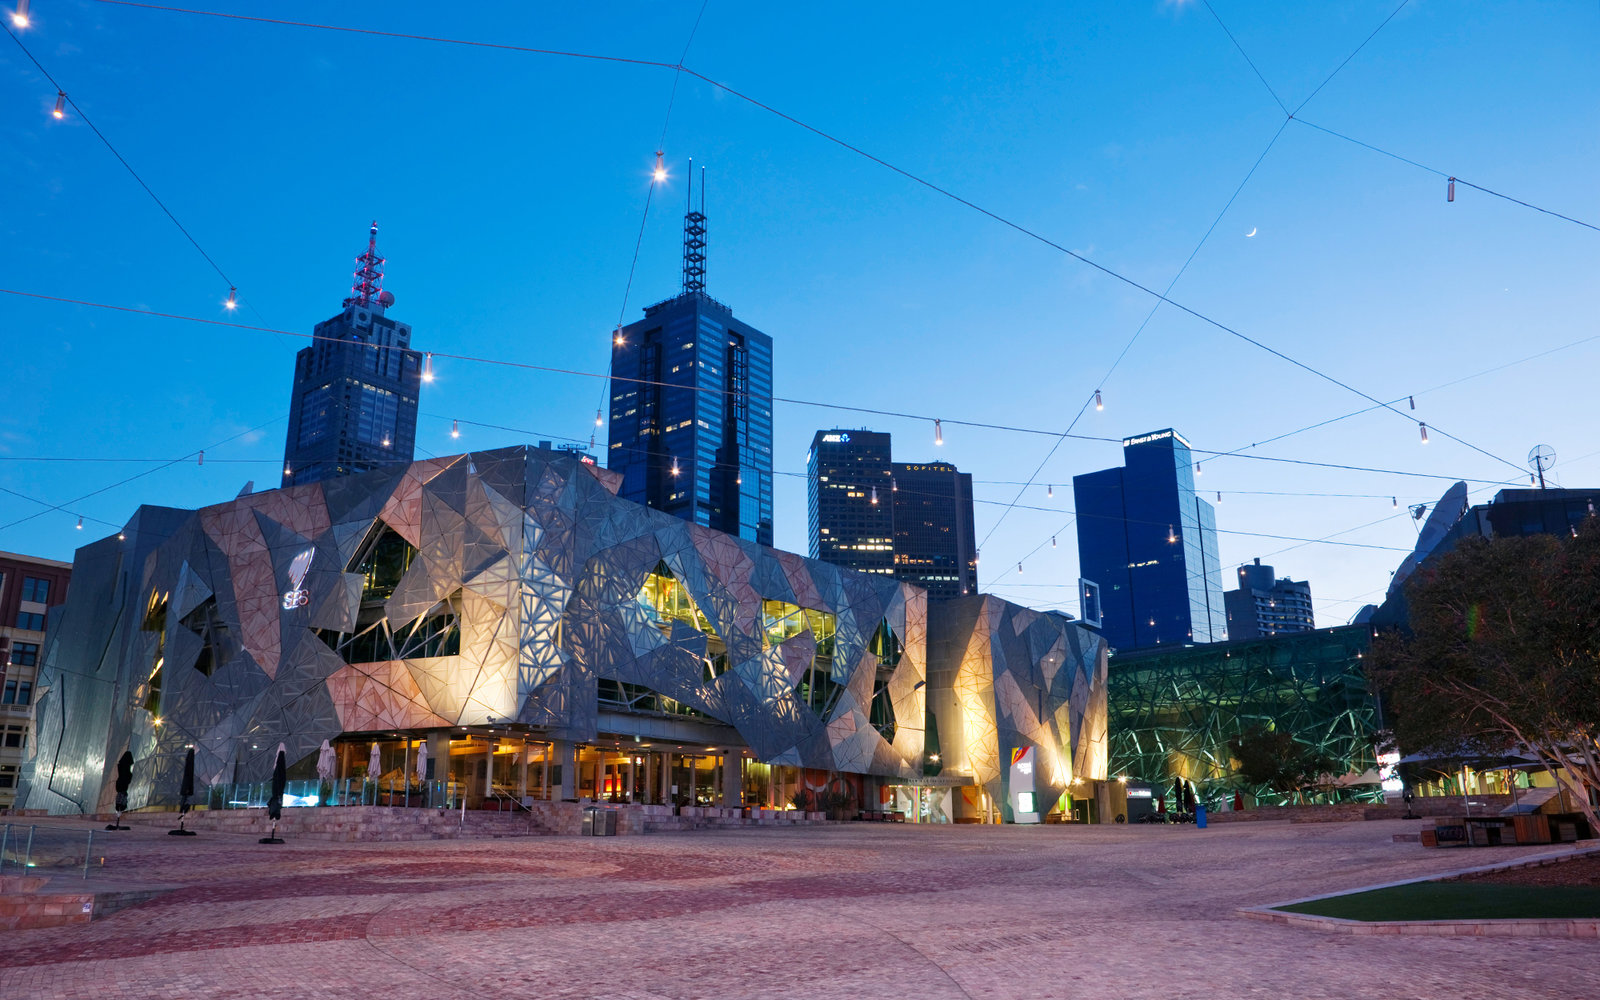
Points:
x=1251 y=233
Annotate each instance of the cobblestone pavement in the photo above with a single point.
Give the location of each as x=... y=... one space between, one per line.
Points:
x=856 y=910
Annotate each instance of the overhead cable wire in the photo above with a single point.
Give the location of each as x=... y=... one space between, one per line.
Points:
x=859 y=151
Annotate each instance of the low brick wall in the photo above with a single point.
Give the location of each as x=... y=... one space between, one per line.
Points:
x=1350 y=812
x=24 y=904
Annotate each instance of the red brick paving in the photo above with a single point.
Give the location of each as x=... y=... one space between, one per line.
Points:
x=853 y=911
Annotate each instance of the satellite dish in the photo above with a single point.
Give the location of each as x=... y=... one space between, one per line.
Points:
x=385 y=298
x=1540 y=459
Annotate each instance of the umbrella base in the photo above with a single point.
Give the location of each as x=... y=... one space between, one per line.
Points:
x=180 y=833
x=113 y=826
x=270 y=840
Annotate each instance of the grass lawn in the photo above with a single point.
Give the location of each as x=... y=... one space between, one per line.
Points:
x=1458 y=901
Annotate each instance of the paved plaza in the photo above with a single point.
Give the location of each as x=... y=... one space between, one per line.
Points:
x=856 y=910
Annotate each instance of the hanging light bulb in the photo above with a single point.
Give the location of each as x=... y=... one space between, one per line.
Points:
x=1219 y=496
x=455 y=428
x=1097 y=403
x=201 y=460
x=894 y=485
x=618 y=337
x=121 y=537
x=938 y=432
x=233 y=300
x=597 y=416
x=287 y=471
x=19 y=17
x=1019 y=569
x=386 y=441
x=661 y=168
x=1050 y=491
x=1052 y=541
x=738 y=480
x=1450 y=192
x=427 y=367
x=80 y=522
x=1424 y=428
x=61 y=104
x=674 y=466
x=1197 y=470
x=1394 y=502
x=977 y=556
x=1413 y=401
x=1172 y=536
x=874 y=496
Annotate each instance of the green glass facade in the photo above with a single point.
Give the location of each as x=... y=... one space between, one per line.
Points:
x=1172 y=712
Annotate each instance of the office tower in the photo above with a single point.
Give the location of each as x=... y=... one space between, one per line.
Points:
x=691 y=406
x=1151 y=545
x=934 y=545
x=850 y=500
x=354 y=406
x=1267 y=605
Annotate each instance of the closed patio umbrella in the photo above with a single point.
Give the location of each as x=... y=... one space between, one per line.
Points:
x=185 y=793
x=280 y=779
x=124 y=782
x=374 y=770
x=422 y=768
x=327 y=764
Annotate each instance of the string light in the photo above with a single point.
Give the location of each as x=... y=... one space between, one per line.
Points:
x=874 y=496
x=386 y=441
x=1197 y=470
x=938 y=432
x=1450 y=191
x=1219 y=496
x=1019 y=569
x=427 y=367
x=121 y=537
x=61 y=104
x=1050 y=491
x=1424 y=429
x=894 y=485
x=1052 y=541
x=201 y=458
x=233 y=300
x=1413 y=401
x=619 y=336
x=1098 y=405
x=287 y=471
x=674 y=466
x=597 y=416
x=455 y=428
x=1394 y=502
x=1172 y=536
x=19 y=17
x=661 y=168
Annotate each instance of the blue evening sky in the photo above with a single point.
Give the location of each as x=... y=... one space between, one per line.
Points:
x=509 y=189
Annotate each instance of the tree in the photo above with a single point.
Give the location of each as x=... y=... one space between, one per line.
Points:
x=1273 y=758
x=1502 y=651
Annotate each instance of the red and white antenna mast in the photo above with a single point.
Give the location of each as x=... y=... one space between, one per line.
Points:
x=369 y=276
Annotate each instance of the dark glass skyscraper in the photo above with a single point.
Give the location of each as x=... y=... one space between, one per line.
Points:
x=1151 y=545
x=934 y=544
x=691 y=408
x=869 y=513
x=849 y=500
x=354 y=406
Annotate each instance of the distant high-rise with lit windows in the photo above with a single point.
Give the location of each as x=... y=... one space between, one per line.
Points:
x=354 y=406
x=691 y=406
x=910 y=520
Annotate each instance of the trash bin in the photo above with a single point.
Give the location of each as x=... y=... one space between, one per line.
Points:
x=599 y=822
x=1200 y=817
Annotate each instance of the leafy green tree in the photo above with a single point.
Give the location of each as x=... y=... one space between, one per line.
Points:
x=1274 y=759
x=1503 y=651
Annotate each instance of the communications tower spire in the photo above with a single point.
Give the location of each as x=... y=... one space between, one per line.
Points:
x=369 y=275
x=694 y=237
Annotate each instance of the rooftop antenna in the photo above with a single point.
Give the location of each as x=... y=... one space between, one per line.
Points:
x=368 y=284
x=1540 y=458
x=694 y=237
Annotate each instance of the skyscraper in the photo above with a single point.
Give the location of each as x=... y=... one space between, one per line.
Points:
x=934 y=544
x=1151 y=545
x=1267 y=605
x=691 y=406
x=849 y=500
x=354 y=406
x=870 y=513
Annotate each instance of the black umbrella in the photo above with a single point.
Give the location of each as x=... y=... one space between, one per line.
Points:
x=124 y=782
x=280 y=778
x=1177 y=794
x=1189 y=801
x=185 y=793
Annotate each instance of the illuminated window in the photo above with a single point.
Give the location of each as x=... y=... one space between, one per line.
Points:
x=383 y=561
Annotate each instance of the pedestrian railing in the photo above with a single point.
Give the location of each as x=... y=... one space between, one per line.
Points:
x=39 y=850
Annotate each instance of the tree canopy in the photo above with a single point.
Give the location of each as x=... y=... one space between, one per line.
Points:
x=1274 y=759
x=1502 y=650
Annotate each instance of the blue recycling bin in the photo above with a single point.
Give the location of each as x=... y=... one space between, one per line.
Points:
x=1200 y=816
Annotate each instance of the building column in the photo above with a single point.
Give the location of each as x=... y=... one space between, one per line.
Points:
x=438 y=766
x=633 y=776
x=522 y=777
x=694 y=776
x=488 y=769
x=666 y=778
x=733 y=780
x=566 y=758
